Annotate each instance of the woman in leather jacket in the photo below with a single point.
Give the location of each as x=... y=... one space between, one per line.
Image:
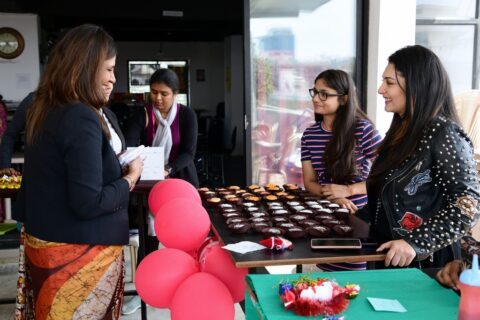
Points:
x=423 y=189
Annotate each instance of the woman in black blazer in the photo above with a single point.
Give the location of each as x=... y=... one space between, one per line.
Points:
x=74 y=196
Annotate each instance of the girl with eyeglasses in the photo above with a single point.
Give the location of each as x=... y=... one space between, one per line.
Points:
x=338 y=149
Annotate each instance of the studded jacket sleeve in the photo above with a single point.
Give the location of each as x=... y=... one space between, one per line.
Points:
x=454 y=172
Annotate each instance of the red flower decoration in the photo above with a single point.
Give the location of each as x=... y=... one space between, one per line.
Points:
x=410 y=221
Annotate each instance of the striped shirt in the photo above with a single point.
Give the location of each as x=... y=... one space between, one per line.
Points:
x=315 y=140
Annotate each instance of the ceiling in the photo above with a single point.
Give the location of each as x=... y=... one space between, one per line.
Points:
x=139 y=20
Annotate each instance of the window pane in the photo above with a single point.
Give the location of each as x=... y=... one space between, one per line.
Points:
x=446 y=9
x=454 y=46
x=291 y=43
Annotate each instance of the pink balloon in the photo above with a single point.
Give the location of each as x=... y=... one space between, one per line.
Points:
x=202 y=297
x=160 y=273
x=216 y=261
x=182 y=224
x=169 y=189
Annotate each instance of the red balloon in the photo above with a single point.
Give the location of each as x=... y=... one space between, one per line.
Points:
x=160 y=273
x=166 y=190
x=216 y=261
x=202 y=297
x=182 y=224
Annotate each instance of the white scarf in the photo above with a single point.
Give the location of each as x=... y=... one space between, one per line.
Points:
x=163 y=135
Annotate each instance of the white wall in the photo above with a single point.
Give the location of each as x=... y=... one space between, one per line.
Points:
x=20 y=76
x=234 y=83
x=391 y=27
x=202 y=55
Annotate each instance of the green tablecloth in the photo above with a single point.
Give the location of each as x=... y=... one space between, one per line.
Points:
x=421 y=295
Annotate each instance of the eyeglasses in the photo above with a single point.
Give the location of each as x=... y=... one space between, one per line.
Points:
x=322 y=95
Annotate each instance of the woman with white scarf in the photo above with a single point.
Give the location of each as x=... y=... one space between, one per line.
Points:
x=165 y=123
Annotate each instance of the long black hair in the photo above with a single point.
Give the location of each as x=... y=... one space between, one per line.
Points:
x=340 y=160
x=428 y=95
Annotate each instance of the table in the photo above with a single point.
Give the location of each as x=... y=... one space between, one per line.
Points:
x=422 y=296
x=301 y=253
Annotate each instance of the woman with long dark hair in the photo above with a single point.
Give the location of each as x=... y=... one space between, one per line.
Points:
x=338 y=149
x=74 y=196
x=423 y=190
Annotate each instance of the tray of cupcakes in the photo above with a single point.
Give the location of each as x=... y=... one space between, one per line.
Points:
x=272 y=210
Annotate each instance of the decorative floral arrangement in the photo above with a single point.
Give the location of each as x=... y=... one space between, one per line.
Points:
x=10 y=182
x=309 y=297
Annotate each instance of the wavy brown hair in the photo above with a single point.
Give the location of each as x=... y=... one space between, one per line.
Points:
x=340 y=160
x=71 y=75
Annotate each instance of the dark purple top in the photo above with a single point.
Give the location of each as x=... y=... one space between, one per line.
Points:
x=151 y=129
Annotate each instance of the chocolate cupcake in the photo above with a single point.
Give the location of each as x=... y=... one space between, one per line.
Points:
x=258 y=219
x=277 y=220
x=332 y=222
x=273 y=232
x=343 y=230
x=308 y=223
x=225 y=193
x=324 y=202
x=298 y=217
x=296 y=232
x=247 y=194
x=297 y=208
x=319 y=231
x=227 y=210
x=279 y=212
x=242 y=227
x=290 y=197
x=253 y=187
x=259 y=226
x=235 y=220
x=281 y=194
x=248 y=204
x=286 y=225
x=342 y=213
x=202 y=190
x=250 y=210
x=253 y=199
x=325 y=210
x=219 y=189
x=333 y=206
x=315 y=207
x=306 y=212
x=209 y=194
x=240 y=192
x=233 y=188
x=293 y=203
x=224 y=206
x=324 y=216
x=215 y=201
x=274 y=204
x=234 y=200
x=270 y=198
x=291 y=186
x=231 y=215
x=311 y=203
x=258 y=214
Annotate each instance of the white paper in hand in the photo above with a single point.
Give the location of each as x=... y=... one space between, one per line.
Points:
x=130 y=154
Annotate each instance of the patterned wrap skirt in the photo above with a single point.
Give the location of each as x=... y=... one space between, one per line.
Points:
x=68 y=281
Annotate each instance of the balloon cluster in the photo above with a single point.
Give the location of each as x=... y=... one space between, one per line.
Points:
x=192 y=276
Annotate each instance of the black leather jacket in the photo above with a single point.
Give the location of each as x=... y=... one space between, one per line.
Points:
x=432 y=199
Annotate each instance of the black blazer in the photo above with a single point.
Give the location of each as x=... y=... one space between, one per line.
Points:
x=183 y=166
x=72 y=189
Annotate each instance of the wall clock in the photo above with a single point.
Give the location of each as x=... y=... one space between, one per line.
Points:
x=11 y=43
